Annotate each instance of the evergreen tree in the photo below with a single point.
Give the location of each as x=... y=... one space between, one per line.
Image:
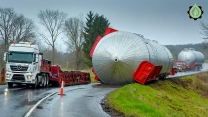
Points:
x=95 y=25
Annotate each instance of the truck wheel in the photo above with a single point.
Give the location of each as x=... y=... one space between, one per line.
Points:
x=36 y=83
x=10 y=84
x=47 y=81
x=43 y=80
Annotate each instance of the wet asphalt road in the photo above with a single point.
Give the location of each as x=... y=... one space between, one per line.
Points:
x=79 y=101
x=180 y=74
x=16 y=101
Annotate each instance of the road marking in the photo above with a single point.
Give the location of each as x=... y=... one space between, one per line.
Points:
x=33 y=108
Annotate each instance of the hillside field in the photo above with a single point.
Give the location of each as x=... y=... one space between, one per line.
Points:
x=180 y=97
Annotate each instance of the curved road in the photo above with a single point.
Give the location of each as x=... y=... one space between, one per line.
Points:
x=79 y=101
x=187 y=73
x=15 y=102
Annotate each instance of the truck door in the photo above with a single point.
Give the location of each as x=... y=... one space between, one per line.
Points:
x=35 y=60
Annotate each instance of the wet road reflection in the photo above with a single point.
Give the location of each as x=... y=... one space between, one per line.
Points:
x=180 y=74
x=79 y=101
x=16 y=101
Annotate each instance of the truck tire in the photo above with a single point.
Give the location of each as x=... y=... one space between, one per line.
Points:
x=47 y=80
x=163 y=77
x=10 y=84
x=36 y=83
x=43 y=80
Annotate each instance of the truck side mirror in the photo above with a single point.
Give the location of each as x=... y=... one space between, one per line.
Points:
x=5 y=56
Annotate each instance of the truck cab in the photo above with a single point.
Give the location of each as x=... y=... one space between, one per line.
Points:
x=180 y=67
x=23 y=64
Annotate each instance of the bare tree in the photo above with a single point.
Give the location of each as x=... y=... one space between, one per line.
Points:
x=7 y=16
x=53 y=22
x=24 y=29
x=74 y=31
x=14 y=27
x=204 y=28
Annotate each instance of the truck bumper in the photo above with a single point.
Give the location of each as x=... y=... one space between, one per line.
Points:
x=20 y=78
x=20 y=82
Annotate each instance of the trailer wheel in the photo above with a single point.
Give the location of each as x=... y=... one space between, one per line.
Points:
x=10 y=84
x=163 y=77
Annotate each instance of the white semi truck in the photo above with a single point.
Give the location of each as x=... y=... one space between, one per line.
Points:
x=25 y=65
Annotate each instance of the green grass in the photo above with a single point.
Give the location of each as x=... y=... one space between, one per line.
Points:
x=185 y=97
x=92 y=76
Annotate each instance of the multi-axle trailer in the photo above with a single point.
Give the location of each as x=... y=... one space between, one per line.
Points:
x=26 y=65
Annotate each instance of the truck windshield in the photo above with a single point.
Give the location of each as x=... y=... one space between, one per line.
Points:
x=178 y=64
x=20 y=57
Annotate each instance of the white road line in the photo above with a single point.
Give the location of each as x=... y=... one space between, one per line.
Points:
x=33 y=108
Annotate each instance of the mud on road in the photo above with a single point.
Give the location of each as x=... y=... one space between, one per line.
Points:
x=105 y=106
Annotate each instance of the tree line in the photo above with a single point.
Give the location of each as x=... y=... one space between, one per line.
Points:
x=79 y=35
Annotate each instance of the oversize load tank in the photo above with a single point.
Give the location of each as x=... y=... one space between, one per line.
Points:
x=118 y=54
x=191 y=57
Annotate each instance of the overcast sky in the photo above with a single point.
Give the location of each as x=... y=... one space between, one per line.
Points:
x=166 y=21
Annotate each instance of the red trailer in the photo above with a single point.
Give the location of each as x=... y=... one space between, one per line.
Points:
x=146 y=72
x=69 y=77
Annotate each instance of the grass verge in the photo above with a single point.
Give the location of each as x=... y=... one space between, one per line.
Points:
x=187 y=96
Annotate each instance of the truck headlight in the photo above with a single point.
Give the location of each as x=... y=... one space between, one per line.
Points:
x=8 y=75
x=29 y=77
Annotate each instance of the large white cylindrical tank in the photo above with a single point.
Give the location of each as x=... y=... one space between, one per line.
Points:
x=190 y=57
x=199 y=58
x=118 y=54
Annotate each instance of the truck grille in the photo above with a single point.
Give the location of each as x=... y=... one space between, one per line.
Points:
x=18 y=77
x=18 y=68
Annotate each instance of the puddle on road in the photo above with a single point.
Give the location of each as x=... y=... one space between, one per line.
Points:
x=88 y=96
x=50 y=99
x=26 y=102
x=46 y=94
